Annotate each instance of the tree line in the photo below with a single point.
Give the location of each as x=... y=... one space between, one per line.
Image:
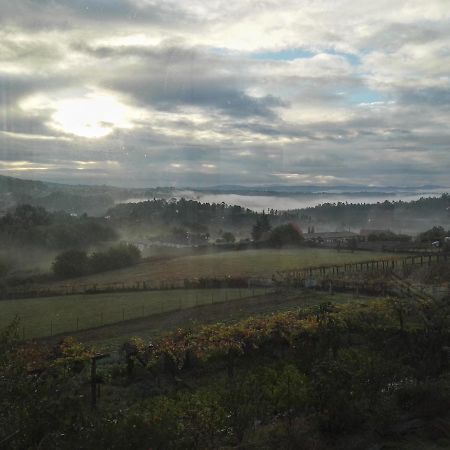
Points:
x=33 y=225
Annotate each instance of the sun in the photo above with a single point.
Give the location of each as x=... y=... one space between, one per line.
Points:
x=92 y=115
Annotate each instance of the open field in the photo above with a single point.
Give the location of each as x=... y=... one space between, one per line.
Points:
x=53 y=315
x=245 y=263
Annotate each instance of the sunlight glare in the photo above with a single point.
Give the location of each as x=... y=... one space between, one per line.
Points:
x=94 y=116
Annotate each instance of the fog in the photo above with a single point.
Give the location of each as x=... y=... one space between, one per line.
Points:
x=280 y=202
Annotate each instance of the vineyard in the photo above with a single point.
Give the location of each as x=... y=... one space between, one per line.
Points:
x=317 y=377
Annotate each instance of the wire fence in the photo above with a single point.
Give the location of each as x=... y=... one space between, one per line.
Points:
x=380 y=265
x=53 y=316
x=53 y=290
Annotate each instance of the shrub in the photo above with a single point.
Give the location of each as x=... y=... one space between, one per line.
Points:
x=71 y=263
x=74 y=263
x=123 y=255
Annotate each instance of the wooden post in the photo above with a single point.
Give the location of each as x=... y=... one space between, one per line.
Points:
x=94 y=380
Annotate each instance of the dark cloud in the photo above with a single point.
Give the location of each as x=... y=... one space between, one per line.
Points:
x=434 y=97
x=190 y=77
x=71 y=14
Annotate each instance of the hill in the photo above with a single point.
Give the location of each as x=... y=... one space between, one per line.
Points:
x=77 y=199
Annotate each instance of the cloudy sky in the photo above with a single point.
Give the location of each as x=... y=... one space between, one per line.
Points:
x=206 y=92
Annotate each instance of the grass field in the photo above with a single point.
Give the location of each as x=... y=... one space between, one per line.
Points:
x=52 y=315
x=263 y=262
x=110 y=338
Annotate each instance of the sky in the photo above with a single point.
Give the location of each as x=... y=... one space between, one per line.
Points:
x=197 y=93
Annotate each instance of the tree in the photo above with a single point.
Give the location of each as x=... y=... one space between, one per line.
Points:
x=71 y=263
x=288 y=234
x=261 y=227
x=434 y=234
x=228 y=237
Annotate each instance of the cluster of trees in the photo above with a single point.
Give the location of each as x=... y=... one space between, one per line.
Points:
x=77 y=203
x=436 y=233
x=31 y=225
x=192 y=221
x=358 y=214
x=190 y=214
x=75 y=263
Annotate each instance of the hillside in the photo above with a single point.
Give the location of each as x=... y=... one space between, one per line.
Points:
x=78 y=199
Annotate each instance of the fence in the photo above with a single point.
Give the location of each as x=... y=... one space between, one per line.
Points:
x=392 y=285
x=381 y=265
x=135 y=286
x=97 y=312
x=280 y=277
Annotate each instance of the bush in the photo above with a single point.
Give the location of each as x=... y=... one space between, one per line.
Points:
x=71 y=263
x=75 y=263
x=123 y=255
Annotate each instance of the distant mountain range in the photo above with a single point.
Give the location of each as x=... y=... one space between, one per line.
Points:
x=97 y=199
x=317 y=189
